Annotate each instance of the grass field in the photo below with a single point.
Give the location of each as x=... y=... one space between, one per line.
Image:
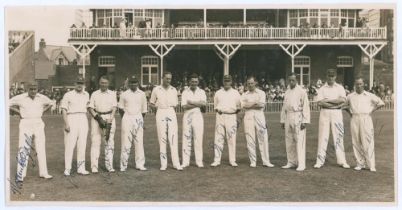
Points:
x=225 y=183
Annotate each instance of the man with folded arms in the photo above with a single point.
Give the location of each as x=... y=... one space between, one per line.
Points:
x=255 y=126
x=331 y=97
x=193 y=100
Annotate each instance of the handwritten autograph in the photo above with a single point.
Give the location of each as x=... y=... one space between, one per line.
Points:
x=23 y=155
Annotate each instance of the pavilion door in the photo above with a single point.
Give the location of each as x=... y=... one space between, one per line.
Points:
x=345 y=76
x=129 y=18
x=109 y=72
x=149 y=75
x=302 y=75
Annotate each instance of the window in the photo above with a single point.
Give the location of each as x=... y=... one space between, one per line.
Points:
x=117 y=12
x=351 y=13
x=302 y=69
x=293 y=13
x=351 y=18
x=61 y=61
x=303 y=12
x=344 y=61
x=344 y=13
x=108 y=12
x=334 y=12
x=156 y=15
x=314 y=12
x=107 y=61
x=293 y=17
x=149 y=70
x=104 y=17
x=302 y=60
x=138 y=13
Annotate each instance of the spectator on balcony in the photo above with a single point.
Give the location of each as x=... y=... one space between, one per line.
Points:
x=83 y=25
x=148 y=26
x=123 y=28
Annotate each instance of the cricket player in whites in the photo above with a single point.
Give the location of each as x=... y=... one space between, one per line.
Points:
x=193 y=100
x=133 y=107
x=74 y=109
x=360 y=105
x=295 y=115
x=255 y=126
x=331 y=97
x=164 y=98
x=227 y=105
x=30 y=107
x=102 y=107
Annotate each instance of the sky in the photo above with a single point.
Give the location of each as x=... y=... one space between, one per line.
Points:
x=50 y=23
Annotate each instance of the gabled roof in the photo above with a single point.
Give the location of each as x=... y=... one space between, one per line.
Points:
x=52 y=52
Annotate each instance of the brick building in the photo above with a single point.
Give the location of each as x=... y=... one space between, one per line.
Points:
x=55 y=66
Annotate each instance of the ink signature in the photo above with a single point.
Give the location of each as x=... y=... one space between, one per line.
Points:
x=23 y=155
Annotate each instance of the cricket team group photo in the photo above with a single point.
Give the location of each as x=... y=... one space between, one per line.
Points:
x=201 y=104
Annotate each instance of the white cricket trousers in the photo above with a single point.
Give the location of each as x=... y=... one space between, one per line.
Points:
x=255 y=127
x=331 y=119
x=77 y=136
x=31 y=130
x=97 y=134
x=193 y=129
x=295 y=139
x=362 y=131
x=132 y=132
x=225 y=128
x=166 y=123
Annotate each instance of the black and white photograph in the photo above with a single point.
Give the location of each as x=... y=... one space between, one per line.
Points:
x=214 y=104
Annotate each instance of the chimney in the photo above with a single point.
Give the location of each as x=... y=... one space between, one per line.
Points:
x=42 y=43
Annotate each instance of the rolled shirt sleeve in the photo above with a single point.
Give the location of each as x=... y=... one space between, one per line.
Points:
x=114 y=103
x=15 y=101
x=46 y=101
x=176 y=97
x=92 y=101
x=319 y=94
x=216 y=100
x=242 y=100
x=184 y=98
x=262 y=98
x=203 y=96
x=376 y=100
x=238 y=98
x=153 y=98
x=342 y=92
x=306 y=108
x=144 y=106
x=64 y=102
x=283 y=112
x=120 y=104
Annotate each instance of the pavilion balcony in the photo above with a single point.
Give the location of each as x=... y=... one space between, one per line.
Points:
x=224 y=33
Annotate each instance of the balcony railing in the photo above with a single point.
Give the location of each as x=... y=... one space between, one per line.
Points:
x=228 y=33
